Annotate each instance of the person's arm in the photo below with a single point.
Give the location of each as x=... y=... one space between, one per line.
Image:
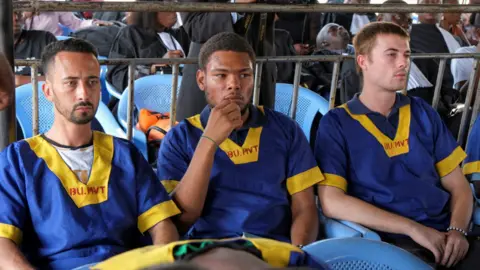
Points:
x=304 y=218
x=122 y=47
x=11 y=257
x=331 y=154
x=191 y=192
x=7 y=85
x=71 y=21
x=164 y=232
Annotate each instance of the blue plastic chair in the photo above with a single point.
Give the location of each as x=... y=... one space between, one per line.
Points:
x=114 y=92
x=363 y=254
x=151 y=92
x=62 y=37
x=103 y=81
x=308 y=105
x=23 y=103
x=66 y=31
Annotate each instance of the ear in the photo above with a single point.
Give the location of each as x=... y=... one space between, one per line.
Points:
x=201 y=79
x=47 y=90
x=362 y=61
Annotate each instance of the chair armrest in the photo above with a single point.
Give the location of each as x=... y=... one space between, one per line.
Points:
x=112 y=90
x=334 y=229
x=365 y=232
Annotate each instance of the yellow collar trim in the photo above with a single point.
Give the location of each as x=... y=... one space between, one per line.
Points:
x=399 y=145
x=95 y=191
x=246 y=153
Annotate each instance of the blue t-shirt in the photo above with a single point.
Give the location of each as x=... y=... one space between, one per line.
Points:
x=255 y=173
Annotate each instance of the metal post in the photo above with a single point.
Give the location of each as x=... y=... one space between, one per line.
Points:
x=405 y=87
x=438 y=84
x=7 y=116
x=258 y=81
x=173 y=104
x=296 y=84
x=468 y=101
x=131 y=104
x=333 y=85
x=35 y=113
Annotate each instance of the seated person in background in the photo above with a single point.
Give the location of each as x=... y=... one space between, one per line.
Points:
x=7 y=85
x=28 y=44
x=284 y=47
x=428 y=37
x=236 y=253
x=237 y=169
x=72 y=196
x=463 y=67
x=334 y=38
x=453 y=24
x=149 y=36
x=389 y=161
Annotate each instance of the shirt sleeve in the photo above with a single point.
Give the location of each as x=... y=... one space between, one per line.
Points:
x=13 y=209
x=331 y=152
x=447 y=153
x=173 y=159
x=68 y=19
x=472 y=162
x=303 y=171
x=154 y=204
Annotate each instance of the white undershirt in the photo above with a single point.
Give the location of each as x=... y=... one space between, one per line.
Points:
x=80 y=161
x=358 y=21
x=170 y=42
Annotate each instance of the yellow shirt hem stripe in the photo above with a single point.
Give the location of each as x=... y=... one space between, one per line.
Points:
x=11 y=232
x=157 y=214
x=471 y=168
x=448 y=164
x=169 y=185
x=334 y=180
x=304 y=180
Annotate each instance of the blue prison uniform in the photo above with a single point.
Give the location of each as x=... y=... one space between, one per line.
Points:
x=472 y=163
x=395 y=162
x=65 y=223
x=255 y=173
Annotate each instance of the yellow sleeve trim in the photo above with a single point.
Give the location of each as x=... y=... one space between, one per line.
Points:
x=11 y=232
x=304 y=180
x=448 y=164
x=156 y=214
x=169 y=185
x=334 y=180
x=471 y=168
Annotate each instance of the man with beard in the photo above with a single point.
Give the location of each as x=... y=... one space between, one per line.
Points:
x=236 y=169
x=75 y=196
x=28 y=44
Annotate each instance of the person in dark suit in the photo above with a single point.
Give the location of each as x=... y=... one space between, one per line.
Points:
x=200 y=26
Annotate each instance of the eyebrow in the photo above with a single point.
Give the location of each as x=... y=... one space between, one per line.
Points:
x=396 y=50
x=77 y=78
x=227 y=70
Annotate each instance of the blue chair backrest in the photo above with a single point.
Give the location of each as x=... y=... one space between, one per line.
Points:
x=362 y=254
x=308 y=105
x=62 y=37
x=103 y=74
x=65 y=29
x=23 y=103
x=152 y=92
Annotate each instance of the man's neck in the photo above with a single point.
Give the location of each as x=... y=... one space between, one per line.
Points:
x=378 y=100
x=245 y=116
x=69 y=134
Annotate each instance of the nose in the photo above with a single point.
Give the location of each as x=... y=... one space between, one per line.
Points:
x=82 y=91
x=233 y=82
x=404 y=61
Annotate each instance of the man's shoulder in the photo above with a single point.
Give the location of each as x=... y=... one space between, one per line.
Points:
x=39 y=35
x=17 y=151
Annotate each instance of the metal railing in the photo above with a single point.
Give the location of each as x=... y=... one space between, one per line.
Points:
x=34 y=5
x=298 y=60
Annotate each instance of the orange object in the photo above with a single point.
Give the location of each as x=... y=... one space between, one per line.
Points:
x=154 y=124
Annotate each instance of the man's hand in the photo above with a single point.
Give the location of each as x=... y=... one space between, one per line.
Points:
x=224 y=118
x=455 y=249
x=5 y=99
x=173 y=54
x=302 y=49
x=430 y=239
x=102 y=23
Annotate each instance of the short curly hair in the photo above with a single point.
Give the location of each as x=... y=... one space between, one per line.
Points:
x=225 y=41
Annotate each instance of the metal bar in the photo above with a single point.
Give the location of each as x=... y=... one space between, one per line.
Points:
x=438 y=83
x=35 y=112
x=296 y=85
x=468 y=101
x=131 y=104
x=333 y=85
x=7 y=116
x=173 y=104
x=258 y=82
x=229 y=7
x=310 y=58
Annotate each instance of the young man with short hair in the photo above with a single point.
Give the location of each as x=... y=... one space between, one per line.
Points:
x=73 y=196
x=389 y=161
x=237 y=169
